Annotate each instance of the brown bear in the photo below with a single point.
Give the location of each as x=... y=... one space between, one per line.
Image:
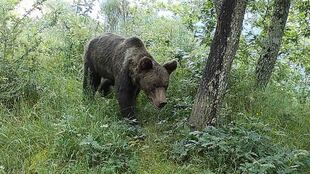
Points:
x=125 y=63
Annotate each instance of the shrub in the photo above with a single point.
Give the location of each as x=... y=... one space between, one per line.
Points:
x=240 y=148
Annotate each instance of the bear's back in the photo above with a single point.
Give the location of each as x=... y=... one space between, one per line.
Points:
x=108 y=53
x=134 y=42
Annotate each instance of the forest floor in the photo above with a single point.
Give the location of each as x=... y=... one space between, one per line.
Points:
x=59 y=133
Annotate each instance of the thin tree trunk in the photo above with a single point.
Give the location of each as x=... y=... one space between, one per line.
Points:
x=223 y=50
x=270 y=49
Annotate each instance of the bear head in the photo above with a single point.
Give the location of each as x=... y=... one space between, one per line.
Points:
x=154 y=79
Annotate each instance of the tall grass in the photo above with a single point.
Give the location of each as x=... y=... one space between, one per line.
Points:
x=47 y=127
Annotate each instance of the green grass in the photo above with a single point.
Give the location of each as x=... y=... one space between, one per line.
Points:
x=47 y=127
x=59 y=132
x=279 y=107
x=153 y=154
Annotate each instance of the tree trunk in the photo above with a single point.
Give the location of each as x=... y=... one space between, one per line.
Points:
x=223 y=49
x=217 y=6
x=271 y=46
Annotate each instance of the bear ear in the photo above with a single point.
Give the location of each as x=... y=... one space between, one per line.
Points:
x=145 y=64
x=170 y=66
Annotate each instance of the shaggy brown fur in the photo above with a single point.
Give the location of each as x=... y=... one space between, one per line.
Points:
x=125 y=63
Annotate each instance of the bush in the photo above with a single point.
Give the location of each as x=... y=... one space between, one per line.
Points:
x=240 y=148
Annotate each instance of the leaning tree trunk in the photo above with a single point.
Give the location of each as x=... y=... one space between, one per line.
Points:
x=271 y=46
x=223 y=49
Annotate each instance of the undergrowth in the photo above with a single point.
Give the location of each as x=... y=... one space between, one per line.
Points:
x=47 y=127
x=240 y=148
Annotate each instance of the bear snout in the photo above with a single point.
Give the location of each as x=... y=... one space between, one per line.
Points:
x=162 y=104
x=158 y=97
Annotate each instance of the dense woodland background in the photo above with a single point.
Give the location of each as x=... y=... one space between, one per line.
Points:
x=47 y=127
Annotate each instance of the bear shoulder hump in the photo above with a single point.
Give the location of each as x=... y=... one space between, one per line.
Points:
x=134 y=42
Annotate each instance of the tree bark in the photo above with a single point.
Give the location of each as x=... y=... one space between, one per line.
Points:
x=272 y=44
x=217 y=6
x=223 y=49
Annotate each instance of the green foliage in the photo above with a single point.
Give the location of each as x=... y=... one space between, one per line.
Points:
x=240 y=148
x=61 y=133
x=17 y=57
x=115 y=12
x=46 y=127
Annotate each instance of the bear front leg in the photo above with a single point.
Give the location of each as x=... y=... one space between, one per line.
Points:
x=127 y=103
x=126 y=92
